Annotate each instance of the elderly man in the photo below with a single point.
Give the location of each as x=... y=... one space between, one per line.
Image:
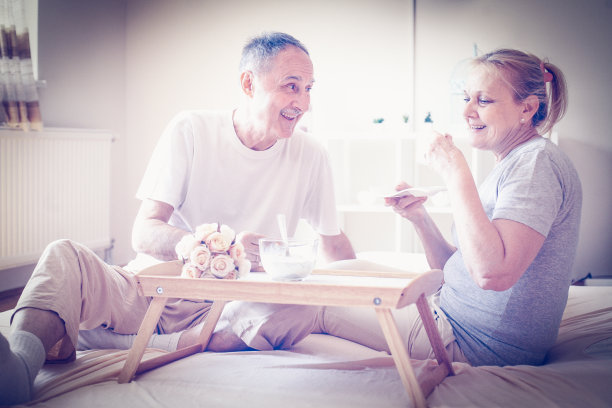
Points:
x=241 y=168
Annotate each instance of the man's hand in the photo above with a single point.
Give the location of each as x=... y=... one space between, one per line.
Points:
x=250 y=240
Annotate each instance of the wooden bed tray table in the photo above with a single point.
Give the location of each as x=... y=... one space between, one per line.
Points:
x=383 y=291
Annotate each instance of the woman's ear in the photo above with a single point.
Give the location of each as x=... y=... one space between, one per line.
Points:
x=530 y=107
x=246 y=82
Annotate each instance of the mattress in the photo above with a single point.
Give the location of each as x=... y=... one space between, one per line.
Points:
x=325 y=371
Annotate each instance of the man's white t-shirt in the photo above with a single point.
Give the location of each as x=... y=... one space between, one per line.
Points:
x=201 y=168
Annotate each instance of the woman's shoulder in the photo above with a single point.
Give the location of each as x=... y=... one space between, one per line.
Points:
x=539 y=162
x=541 y=148
x=544 y=161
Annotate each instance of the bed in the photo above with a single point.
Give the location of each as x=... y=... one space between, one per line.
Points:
x=325 y=371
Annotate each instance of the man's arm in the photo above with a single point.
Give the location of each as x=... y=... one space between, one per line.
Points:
x=152 y=235
x=337 y=247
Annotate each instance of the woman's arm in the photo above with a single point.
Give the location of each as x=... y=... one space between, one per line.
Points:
x=437 y=249
x=496 y=253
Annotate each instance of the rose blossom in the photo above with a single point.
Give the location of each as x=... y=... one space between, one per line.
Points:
x=236 y=251
x=190 y=271
x=200 y=257
x=184 y=247
x=221 y=265
x=204 y=230
x=227 y=233
x=217 y=243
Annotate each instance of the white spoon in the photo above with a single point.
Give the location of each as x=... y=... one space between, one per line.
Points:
x=282 y=226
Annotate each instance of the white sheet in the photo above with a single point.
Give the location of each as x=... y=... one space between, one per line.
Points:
x=324 y=371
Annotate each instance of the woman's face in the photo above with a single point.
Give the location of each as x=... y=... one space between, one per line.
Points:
x=492 y=115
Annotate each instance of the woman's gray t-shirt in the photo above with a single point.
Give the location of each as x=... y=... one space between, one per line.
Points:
x=536 y=185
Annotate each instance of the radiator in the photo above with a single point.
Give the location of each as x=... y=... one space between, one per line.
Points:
x=54 y=184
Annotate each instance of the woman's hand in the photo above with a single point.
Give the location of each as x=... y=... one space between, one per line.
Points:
x=409 y=206
x=250 y=240
x=442 y=155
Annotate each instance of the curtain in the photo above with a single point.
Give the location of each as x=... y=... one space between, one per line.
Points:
x=20 y=105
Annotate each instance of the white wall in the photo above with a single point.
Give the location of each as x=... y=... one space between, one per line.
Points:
x=576 y=36
x=81 y=58
x=184 y=55
x=128 y=66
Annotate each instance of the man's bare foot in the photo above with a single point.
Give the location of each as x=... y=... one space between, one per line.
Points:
x=62 y=352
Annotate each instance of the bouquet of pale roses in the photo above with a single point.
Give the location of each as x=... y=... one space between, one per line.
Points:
x=212 y=252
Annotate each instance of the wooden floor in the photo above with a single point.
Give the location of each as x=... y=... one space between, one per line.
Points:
x=8 y=299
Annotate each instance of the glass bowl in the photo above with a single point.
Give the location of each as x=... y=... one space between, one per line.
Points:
x=291 y=260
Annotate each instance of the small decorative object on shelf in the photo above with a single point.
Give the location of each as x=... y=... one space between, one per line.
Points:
x=428 y=118
x=212 y=252
x=405 y=118
x=378 y=120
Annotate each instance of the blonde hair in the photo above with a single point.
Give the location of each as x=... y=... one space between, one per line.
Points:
x=528 y=75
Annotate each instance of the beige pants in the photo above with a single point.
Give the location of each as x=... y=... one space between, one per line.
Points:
x=360 y=325
x=87 y=293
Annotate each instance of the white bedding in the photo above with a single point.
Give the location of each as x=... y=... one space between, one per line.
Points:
x=324 y=371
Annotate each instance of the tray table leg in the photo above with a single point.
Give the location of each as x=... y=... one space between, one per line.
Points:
x=199 y=346
x=144 y=334
x=434 y=336
x=211 y=322
x=400 y=356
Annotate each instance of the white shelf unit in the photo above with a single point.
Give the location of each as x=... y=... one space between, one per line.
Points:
x=370 y=163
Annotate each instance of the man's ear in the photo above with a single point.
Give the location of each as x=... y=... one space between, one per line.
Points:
x=246 y=82
x=530 y=107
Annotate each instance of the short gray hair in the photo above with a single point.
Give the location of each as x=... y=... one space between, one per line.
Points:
x=260 y=50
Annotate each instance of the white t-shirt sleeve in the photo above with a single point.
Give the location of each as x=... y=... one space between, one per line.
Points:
x=168 y=172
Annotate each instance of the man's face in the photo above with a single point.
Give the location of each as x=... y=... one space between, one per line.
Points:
x=282 y=94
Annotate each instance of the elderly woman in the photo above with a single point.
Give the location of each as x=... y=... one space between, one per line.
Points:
x=508 y=270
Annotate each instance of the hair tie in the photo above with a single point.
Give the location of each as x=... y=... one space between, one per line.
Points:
x=547 y=75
